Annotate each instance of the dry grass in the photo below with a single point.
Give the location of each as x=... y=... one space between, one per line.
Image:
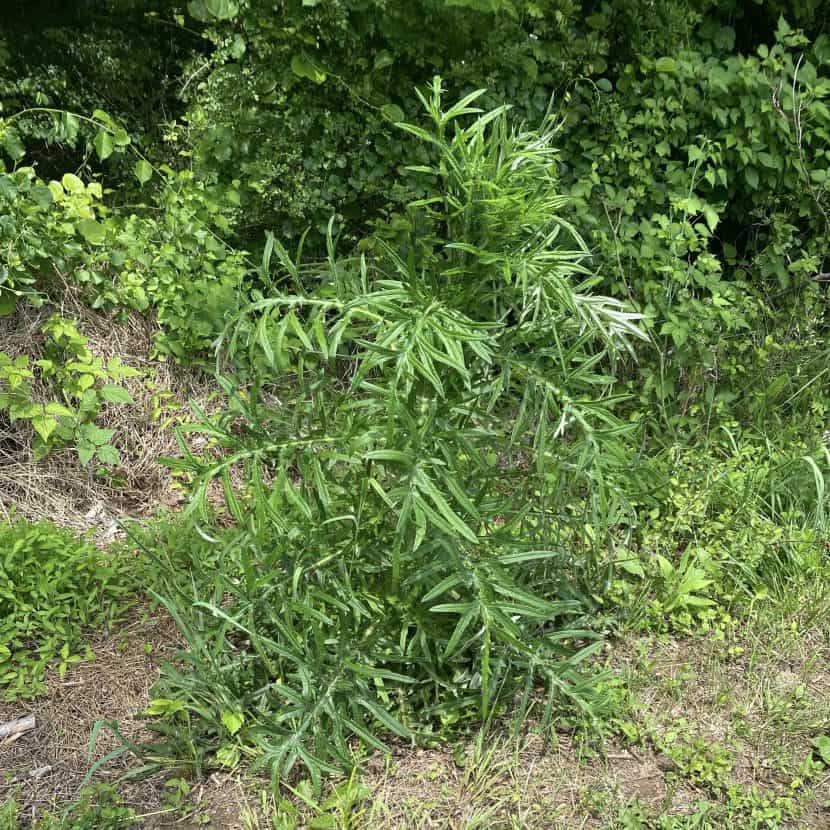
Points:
x=759 y=696
x=114 y=686
x=529 y=782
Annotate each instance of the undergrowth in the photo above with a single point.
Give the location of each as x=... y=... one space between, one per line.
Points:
x=54 y=588
x=96 y=808
x=515 y=390
x=725 y=527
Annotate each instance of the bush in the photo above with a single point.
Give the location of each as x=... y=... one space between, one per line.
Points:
x=166 y=257
x=700 y=179
x=53 y=587
x=402 y=472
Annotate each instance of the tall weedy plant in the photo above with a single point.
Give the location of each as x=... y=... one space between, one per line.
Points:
x=401 y=472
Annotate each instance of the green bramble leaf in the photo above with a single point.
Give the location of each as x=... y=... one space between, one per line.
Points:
x=86 y=451
x=393 y=113
x=8 y=302
x=163 y=706
x=93 y=232
x=228 y=756
x=821 y=745
x=143 y=171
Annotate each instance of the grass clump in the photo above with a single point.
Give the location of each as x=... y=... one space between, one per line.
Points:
x=53 y=587
x=721 y=528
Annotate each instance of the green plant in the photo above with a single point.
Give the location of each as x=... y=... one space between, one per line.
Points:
x=166 y=256
x=9 y=812
x=742 y=807
x=79 y=385
x=712 y=214
x=701 y=761
x=399 y=560
x=683 y=586
x=178 y=798
x=53 y=588
x=821 y=749
x=97 y=807
x=721 y=529
x=340 y=809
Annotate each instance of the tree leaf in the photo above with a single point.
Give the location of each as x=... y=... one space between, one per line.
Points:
x=104 y=144
x=115 y=394
x=13 y=145
x=221 y=9
x=302 y=67
x=94 y=232
x=143 y=171
x=72 y=184
x=109 y=455
x=42 y=196
x=44 y=425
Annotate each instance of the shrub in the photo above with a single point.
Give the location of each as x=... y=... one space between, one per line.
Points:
x=699 y=176
x=402 y=472
x=166 y=257
x=53 y=587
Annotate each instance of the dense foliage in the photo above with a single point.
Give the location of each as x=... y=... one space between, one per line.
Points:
x=53 y=588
